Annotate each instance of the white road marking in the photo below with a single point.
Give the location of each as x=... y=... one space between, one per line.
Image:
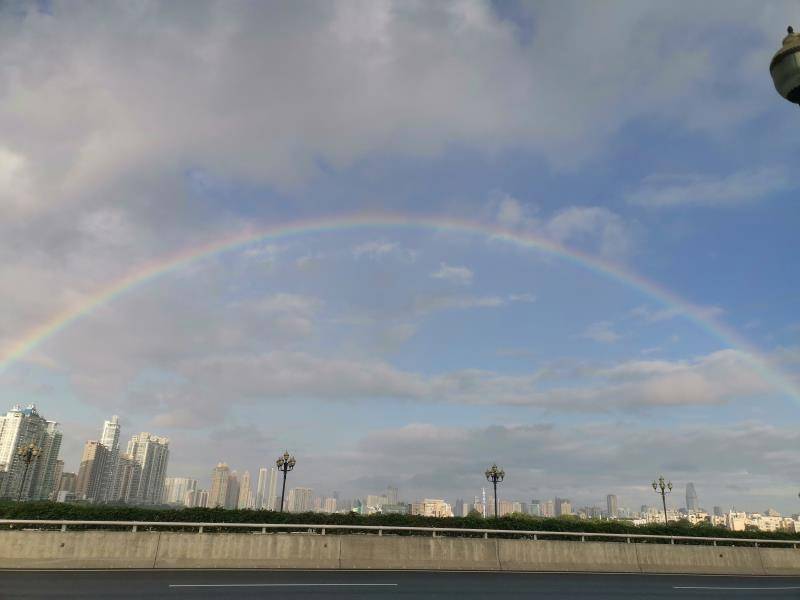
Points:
x=217 y=585
x=709 y=587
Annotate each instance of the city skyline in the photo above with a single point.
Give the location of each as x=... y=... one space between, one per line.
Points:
x=101 y=483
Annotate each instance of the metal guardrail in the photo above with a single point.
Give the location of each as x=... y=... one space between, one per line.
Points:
x=381 y=529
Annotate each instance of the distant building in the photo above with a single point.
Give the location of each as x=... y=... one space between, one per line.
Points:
x=219 y=485
x=150 y=453
x=692 y=504
x=392 y=495
x=611 y=506
x=246 y=498
x=232 y=493
x=718 y=511
x=548 y=508
x=109 y=437
x=59 y=470
x=329 y=505
x=432 y=508
x=300 y=499
x=396 y=509
x=92 y=471
x=563 y=507
x=21 y=427
x=535 y=508
x=176 y=489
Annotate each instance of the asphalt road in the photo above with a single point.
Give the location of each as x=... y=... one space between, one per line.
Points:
x=241 y=585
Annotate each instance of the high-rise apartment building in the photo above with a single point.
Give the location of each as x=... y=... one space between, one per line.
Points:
x=219 y=486
x=232 y=495
x=692 y=505
x=261 y=489
x=59 y=470
x=272 y=490
x=611 y=506
x=176 y=488
x=92 y=471
x=300 y=499
x=127 y=477
x=392 y=495
x=110 y=439
x=246 y=499
x=21 y=427
x=150 y=453
x=535 y=508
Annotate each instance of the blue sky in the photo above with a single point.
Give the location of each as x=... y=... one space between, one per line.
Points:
x=647 y=136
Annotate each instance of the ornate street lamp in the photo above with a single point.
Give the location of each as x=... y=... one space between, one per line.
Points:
x=495 y=475
x=28 y=454
x=663 y=488
x=285 y=463
x=785 y=67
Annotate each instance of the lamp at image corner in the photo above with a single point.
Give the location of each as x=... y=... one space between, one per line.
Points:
x=785 y=67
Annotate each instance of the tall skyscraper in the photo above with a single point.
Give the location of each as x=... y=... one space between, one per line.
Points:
x=272 y=490
x=261 y=489
x=691 y=498
x=127 y=477
x=232 y=497
x=92 y=471
x=392 y=495
x=18 y=428
x=611 y=505
x=246 y=500
x=151 y=455
x=110 y=439
x=59 y=470
x=219 y=486
x=535 y=508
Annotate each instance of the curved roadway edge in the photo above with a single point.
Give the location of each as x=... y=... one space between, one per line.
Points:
x=168 y=550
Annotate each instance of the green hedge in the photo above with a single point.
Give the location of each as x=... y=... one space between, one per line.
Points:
x=79 y=512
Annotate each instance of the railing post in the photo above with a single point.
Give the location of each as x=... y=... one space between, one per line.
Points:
x=583 y=538
x=715 y=542
x=628 y=540
x=535 y=537
x=380 y=532
x=486 y=536
x=672 y=541
x=64 y=528
x=323 y=531
x=434 y=533
x=263 y=530
x=200 y=529
x=756 y=544
x=133 y=529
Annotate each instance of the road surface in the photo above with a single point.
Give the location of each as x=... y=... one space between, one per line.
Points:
x=384 y=585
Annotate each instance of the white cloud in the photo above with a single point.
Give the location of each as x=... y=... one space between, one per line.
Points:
x=575 y=225
x=602 y=331
x=378 y=250
x=651 y=315
x=734 y=189
x=452 y=274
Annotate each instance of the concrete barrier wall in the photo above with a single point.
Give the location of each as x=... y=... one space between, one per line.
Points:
x=168 y=550
x=527 y=555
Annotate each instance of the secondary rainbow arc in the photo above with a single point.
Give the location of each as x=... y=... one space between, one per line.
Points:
x=150 y=271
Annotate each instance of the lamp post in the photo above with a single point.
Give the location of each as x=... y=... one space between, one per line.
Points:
x=495 y=475
x=285 y=463
x=28 y=454
x=662 y=488
x=785 y=67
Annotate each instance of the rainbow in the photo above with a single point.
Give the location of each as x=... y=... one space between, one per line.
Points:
x=147 y=273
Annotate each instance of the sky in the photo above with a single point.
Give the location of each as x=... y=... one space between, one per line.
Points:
x=618 y=302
